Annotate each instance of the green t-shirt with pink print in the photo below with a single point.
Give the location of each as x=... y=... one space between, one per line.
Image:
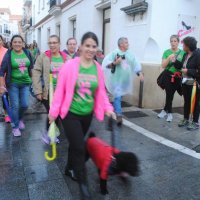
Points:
x=85 y=88
x=20 y=64
x=56 y=63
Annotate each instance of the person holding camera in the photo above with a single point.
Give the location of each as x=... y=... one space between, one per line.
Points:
x=119 y=67
x=172 y=64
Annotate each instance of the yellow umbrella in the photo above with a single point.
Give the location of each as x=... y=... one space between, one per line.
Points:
x=52 y=132
x=193 y=98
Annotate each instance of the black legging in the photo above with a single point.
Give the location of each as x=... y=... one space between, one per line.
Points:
x=187 y=92
x=75 y=128
x=46 y=105
x=170 y=89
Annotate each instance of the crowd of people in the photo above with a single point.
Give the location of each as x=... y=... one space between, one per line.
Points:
x=82 y=80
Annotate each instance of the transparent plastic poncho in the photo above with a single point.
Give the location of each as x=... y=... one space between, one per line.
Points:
x=120 y=82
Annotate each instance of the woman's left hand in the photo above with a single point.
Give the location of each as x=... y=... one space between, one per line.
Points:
x=110 y=114
x=141 y=76
x=185 y=71
x=51 y=119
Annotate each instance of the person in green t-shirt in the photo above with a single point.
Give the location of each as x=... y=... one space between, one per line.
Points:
x=17 y=66
x=48 y=62
x=172 y=63
x=81 y=90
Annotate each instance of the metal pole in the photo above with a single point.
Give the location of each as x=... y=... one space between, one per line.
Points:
x=141 y=94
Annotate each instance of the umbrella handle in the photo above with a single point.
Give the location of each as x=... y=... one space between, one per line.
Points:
x=54 y=153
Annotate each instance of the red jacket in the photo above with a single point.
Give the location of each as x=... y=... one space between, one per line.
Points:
x=101 y=154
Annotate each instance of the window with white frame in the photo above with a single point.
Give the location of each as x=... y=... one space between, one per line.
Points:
x=43 y=4
x=58 y=30
x=74 y=28
x=38 y=6
x=48 y=33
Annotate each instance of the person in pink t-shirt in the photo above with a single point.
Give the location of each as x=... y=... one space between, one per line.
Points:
x=3 y=51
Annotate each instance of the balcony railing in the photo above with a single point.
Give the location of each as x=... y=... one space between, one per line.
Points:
x=54 y=3
x=26 y=23
x=55 y=8
x=140 y=7
x=27 y=2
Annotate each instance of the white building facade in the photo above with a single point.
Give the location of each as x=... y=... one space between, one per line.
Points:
x=147 y=24
x=9 y=24
x=148 y=33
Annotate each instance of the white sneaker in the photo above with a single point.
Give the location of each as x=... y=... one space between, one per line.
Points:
x=169 y=117
x=16 y=132
x=162 y=114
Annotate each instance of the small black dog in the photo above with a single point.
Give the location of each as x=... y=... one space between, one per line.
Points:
x=110 y=161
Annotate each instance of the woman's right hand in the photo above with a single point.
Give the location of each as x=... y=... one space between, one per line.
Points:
x=2 y=90
x=172 y=57
x=39 y=97
x=117 y=61
x=51 y=119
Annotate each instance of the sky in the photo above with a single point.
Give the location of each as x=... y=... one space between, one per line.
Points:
x=14 y=5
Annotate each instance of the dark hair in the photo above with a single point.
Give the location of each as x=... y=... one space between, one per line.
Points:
x=176 y=37
x=8 y=45
x=35 y=44
x=90 y=35
x=72 y=38
x=55 y=36
x=190 y=42
x=16 y=36
x=1 y=37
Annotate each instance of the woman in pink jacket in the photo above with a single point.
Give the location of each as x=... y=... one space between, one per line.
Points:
x=79 y=94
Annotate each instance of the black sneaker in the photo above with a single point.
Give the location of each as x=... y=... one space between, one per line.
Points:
x=193 y=126
x=183 y=123
x=70 y=173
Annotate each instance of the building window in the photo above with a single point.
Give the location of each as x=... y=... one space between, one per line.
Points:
x=0 y=28
x=5 y=27
x=74 y=28
x=39 y=6
x=52 y=3
x=106 y=30
x=43 y=4
x=48 y=33
x=58 y=30
x=136 y=1
x=33 y=20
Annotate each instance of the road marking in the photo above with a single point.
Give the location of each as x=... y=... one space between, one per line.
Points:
x=161 y=140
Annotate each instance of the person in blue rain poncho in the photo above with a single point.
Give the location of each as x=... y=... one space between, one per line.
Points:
x=119 y=67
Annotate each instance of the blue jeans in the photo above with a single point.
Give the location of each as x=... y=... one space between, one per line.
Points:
x=19 y=100
x=117 y=105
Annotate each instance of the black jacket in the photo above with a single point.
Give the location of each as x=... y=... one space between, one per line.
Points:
x=193 y=65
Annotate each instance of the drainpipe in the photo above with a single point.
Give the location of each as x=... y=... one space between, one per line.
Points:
x=141 y=94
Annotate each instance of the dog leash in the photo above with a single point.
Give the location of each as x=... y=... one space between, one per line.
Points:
x=112 y=130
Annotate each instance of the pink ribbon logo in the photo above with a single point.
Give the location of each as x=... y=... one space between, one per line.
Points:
x=84 y=89
x=22 y=68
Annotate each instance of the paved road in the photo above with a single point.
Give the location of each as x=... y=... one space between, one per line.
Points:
x=167 y=174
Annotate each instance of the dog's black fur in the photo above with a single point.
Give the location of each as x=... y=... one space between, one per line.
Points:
x=122 y=162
